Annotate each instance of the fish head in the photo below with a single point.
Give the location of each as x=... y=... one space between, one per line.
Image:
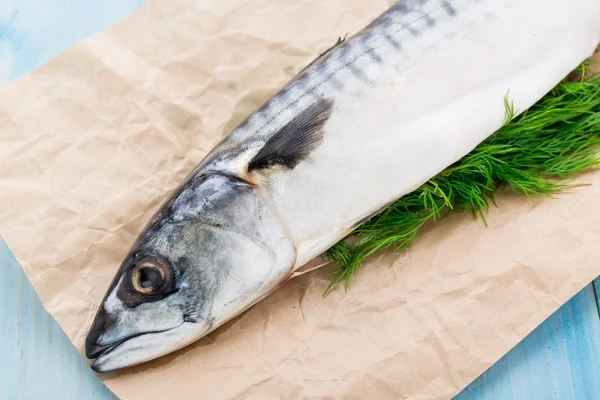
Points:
x=213 y=250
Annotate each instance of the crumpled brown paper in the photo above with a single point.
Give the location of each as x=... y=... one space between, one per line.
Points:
x=95 y=139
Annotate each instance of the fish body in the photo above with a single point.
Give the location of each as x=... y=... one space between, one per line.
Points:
x=367 y=122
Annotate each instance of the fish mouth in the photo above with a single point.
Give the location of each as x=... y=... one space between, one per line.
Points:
x=94 y=350
x=98 y=352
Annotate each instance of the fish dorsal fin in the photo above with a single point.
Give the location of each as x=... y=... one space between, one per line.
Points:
x=321 y=56
x=295 y=140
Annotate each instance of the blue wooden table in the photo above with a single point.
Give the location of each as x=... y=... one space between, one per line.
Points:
x=34 y=31
x=38 y=359
x=559 y=360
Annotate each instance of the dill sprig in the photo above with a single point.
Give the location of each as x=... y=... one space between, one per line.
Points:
x=535 y=154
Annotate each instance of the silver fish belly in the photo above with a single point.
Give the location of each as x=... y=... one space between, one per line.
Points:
x=367 y=122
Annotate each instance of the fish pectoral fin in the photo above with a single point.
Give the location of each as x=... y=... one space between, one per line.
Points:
x=317 y=262
x=295 y=140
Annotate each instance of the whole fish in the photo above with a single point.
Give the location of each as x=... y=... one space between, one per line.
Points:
x=367 y=122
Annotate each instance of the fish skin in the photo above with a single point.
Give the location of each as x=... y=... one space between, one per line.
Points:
x=213 y=231
x=240 y=225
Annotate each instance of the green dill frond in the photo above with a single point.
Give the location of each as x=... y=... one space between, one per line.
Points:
x=509 y=109
x=535 y=154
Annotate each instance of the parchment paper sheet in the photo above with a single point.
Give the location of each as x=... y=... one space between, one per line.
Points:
x=94 y=140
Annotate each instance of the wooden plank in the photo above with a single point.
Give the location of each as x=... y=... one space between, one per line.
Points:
x=555 y=361
x=558 y=360
x=38 y=359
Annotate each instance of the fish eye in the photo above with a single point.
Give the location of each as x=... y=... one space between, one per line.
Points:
x=149 y=277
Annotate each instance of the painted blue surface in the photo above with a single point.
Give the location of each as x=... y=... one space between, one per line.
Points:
x=34 y=31
x=559 y=360
x=38 y=359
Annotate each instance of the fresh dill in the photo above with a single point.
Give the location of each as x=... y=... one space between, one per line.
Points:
x=535 y=154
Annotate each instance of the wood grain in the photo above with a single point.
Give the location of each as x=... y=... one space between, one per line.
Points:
x=558 y=360
x=38 y=359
